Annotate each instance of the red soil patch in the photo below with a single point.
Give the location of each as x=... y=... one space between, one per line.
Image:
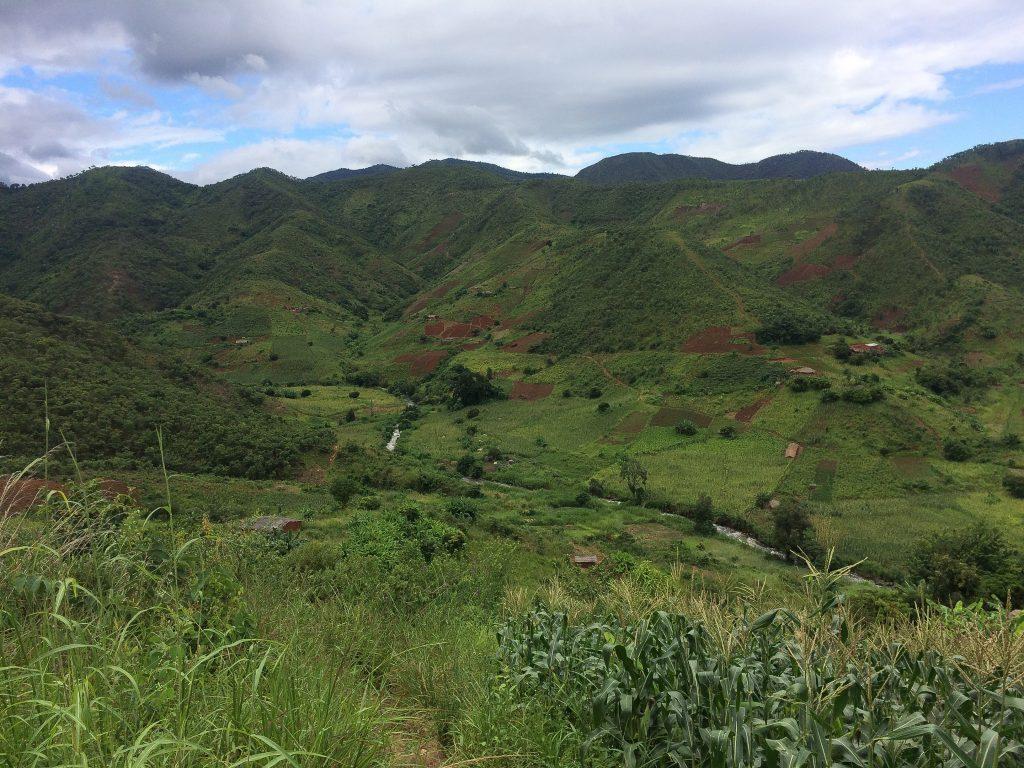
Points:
x=802 y=273
x=890 y=318
x=844 y=263
x=782 y=360
x=449 y=329
x=473 y=345
x=442 y=229
x=526 y=343
x=506 y=374
x=483 y=322
x=720 y=338
x=422 y=363
x=669 y=416
x=971 y=178
x=748 y=412
x=805 y=248
x=747 y=240
x=524 y=390
x=18 y=495
x=442 y=290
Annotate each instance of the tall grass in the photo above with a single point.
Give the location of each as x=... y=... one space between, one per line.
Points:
x=125 y=645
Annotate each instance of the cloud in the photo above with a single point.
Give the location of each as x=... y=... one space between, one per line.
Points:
x=297 y=157
x=1005 y=85
x=531 y=85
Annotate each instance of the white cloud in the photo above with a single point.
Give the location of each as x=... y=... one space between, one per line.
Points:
x=531 y=85
x=297 y=157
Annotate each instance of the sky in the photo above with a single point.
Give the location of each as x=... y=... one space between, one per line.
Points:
x=207 y=90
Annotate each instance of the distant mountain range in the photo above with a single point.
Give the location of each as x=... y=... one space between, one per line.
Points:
x=647 y=166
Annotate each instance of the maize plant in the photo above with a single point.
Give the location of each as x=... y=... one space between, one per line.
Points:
x=664 y=693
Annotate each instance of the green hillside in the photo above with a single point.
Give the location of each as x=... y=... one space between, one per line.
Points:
x=466 y=466
x=107 y=400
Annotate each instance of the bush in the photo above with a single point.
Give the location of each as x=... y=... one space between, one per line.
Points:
x=603 y=408
x=1014 y=484
x=593 y=393
x=470 y=466
x=350 y=415
x=956 y=450
x=462 y=510
x=596 y=488
x=728 y=431
x=354 y=394
x=469 y=387
x=863 y=393
x=472 y=413
x=686 y=428
x=344 y=488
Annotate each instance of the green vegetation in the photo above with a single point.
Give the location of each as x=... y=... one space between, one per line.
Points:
x=498 y=400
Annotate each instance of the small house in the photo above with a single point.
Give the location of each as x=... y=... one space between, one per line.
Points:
x=803 y=371
x=275 y=524
x=793 y=450
x=870 y=348
x=584 y=561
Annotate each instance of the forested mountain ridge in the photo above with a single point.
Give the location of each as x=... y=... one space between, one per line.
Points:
x=648 y=166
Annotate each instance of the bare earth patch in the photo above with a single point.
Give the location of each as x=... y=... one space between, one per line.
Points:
x=972 y=178
x=422 y=363
x=669 y=416
x=748 y=240
x=526 y=343
x=719 y=339
x=747 y=413
x=524 y=390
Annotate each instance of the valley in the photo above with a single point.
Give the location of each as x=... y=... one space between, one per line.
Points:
x=459 y=378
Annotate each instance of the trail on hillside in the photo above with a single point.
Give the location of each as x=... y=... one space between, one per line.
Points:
x=698 y=262
x=607 y=373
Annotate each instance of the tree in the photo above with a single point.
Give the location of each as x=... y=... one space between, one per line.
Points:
x=968 y=565
x=703 y=516
x=469 y=387
x=635 y=475
x=343 y=489
x=686 y=428
x=794 y=532
x=956 y=450
x=789 y=325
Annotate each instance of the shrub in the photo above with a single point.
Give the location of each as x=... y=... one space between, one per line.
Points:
x=603 y=408
x=350 y=415
x=469 y=387
x=472 y=413
x=1014 y=484
x=863 y=393
x=596 y=488
x=462 y=510
x=354 y=394
x=593 y=393
x=728 y=431
x=344 y=488
x=306 y=393
x=955 y=449
x=686 y=428
x=469 y=466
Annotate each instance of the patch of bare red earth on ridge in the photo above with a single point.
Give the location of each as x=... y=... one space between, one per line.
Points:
x=422 y=363
x=524 y=390
x=719 y=339
x=747 y=413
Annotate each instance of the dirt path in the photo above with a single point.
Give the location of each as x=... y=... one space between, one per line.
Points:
x=698 y=262
x=607 y=373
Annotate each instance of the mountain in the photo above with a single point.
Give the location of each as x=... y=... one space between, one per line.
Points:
x=648 y=166
x=342 y=174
